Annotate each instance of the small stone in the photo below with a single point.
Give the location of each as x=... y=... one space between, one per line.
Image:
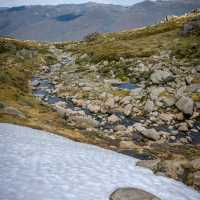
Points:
x=172 y=137
x=179 y=116
x=120 y=128
x=35 y=83
x=184 y=140
x=127 y=145
x=166 y=117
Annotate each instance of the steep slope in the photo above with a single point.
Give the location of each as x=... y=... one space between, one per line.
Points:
x=71 y=22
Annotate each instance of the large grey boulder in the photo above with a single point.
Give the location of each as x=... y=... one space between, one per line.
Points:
x=186 y=105
x=160 y=76
x=132 y=194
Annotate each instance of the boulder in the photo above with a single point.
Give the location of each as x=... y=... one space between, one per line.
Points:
x=168 y=101
x=195 y=164
x=191 y=27
x=110 y=103
x=94 y=108
x=35 y=83
x=196 y=180
x=126 y=100
x=150 y=164
x=128 y=109
x=132 y=194
x=167 y=117
x=183 y=127
x=139 y=127
x=151 y=134
x=174 y=168
x=160 y=76
x=155 y=92
x=61 y=111
x=186 y=105
x=127 y=145
x=149 y=106
x=113 y=119
x=84 y=121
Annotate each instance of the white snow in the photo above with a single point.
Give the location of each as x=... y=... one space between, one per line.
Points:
x=37 y=165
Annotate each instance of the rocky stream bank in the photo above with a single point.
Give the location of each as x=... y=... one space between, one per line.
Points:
x=154 y=117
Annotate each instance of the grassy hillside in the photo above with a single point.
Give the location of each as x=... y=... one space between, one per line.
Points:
x=142 y=43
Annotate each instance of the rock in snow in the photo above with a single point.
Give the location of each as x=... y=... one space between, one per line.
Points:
x=38 y=165
x=132 y=194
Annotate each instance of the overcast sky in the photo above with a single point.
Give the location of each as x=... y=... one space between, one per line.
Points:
x=6 y=3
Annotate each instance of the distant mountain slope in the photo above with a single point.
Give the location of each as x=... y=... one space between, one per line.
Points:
x=71 y=22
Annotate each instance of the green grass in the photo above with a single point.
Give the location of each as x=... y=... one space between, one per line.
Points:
x=140 y=43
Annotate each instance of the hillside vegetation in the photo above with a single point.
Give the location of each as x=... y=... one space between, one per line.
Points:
x=143 y=42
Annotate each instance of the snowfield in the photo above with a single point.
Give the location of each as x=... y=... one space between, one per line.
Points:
x=36 y=165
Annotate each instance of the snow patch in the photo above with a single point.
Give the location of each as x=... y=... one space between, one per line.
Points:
x=39 y=165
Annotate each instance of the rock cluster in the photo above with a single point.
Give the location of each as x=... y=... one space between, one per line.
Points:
x=161 y=105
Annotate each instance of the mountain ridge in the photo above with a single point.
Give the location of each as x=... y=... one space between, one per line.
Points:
x=49 y=23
